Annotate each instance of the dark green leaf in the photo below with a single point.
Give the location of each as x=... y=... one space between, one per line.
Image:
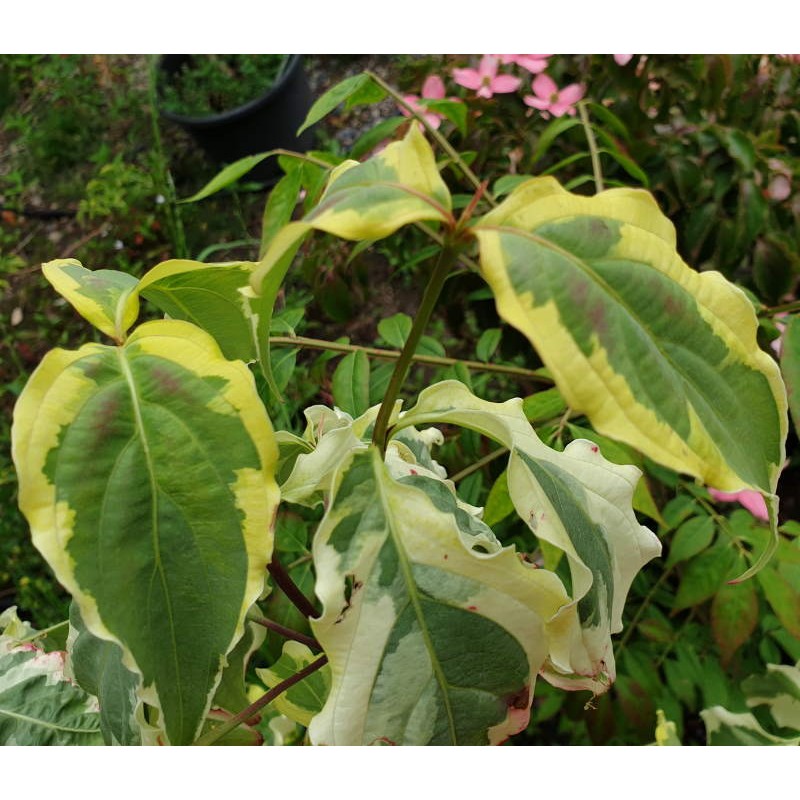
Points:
x=379 y=378
x=704 y=575
x=691 y=538
x=367 y=94
x=375 y=135
x=550 y=134
x=544 y=405
x=773 y=271
x=428 y=346
x=229 y=175
x=498 y=503
x=395 y=329
x=280 y=205
x=783 y=598
x=98 y=669
x=488 y=343
x=610 y=119
x=790 y=367
x=508 y=183
x=333 y=97
x=629 y=165
x=351 y=383
x=739 y=147
x=579 y=181
x=453 y=110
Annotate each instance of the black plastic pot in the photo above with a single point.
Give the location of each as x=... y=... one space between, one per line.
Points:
x=265 y=123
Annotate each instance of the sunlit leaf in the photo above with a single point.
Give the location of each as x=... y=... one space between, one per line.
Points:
x=104 y=297
x=110 y=445
x=575 y=500
x=681 y=377
x=434 y=632
x=208 y=295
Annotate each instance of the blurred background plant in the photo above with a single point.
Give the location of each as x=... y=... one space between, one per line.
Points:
x=84 y=172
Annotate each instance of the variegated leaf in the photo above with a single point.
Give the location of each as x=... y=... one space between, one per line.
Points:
x=725 y=728
x=434 y=632
x=575 y=500
x=396 y=187
x=39 y=704
x=305 y=699
x=111 y=445
x=97 y=667
x=777 y=693
x=104 y=297
x=657 y=355
x=15 y=630
x=209 y=296
x=231 y=694
x=334 y=435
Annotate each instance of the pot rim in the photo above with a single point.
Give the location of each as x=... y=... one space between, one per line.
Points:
x=292 y=66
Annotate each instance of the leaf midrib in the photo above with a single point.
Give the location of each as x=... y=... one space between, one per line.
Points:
x=413 y=595
x=139 y=420
x=43 y=724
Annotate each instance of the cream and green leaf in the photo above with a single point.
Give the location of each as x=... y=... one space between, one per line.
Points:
x=146 y=474
x=39 y=704
x=575 y=500
x=774 y=718
x=96 y=665
x=362 y=201
x=657 y=355
x=432 y=637
x=104 y=297
x=210 y=296
x=305 y=699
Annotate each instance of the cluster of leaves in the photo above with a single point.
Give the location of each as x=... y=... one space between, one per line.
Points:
x=702 y=634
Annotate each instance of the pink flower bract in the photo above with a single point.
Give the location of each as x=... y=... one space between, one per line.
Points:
x=750 y=499
x=622 y=60
x=485 y=80
x=549 y=99
x=432 y=89
x=532 y=63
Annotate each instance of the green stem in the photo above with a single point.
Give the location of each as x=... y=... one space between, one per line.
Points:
x=217 y=733
x=479 y=464
x=724 y=526
x=642 y=608
x=282 y=630
x=43 y=632
x=678 y=634
x=794 y=305
x=393 y=355
x=439 y=239
x=442 y=142
x=587 y=127
x=440 y=272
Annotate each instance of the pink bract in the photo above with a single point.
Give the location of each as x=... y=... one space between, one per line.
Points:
x=532 y=63
x=549 y=99
x=432 y=89
x=485 y=80
x=753 y=501
x=622 y=60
